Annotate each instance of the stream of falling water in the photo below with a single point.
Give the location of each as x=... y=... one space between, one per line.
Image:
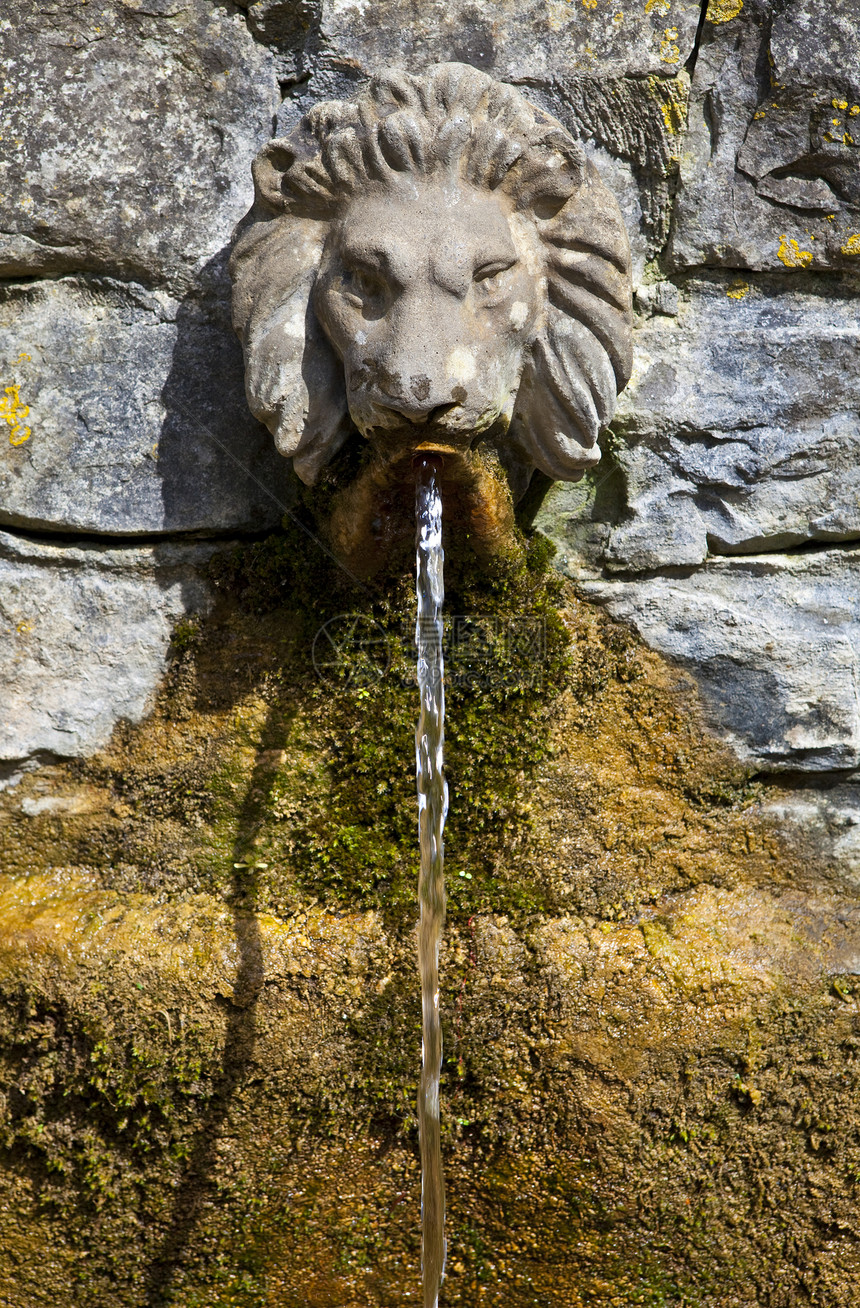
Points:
x=432 y=810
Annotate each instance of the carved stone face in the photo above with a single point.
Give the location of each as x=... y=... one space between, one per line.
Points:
x=430 y=296
x=433 y=266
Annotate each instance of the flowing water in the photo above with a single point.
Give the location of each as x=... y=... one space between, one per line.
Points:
x=432 y=810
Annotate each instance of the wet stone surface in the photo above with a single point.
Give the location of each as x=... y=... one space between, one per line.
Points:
x=210 y=1027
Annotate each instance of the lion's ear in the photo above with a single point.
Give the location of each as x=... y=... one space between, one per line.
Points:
x=287 y=172
x=583 y=356
x=293 y=379
x=269 y=170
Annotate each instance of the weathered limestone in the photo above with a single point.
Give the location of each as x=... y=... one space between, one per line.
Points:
x=84 y=634
x=774 y=645
x=209 y=1041
x=739 y=431
x=128 y=136
x=128 y=133
x=825 y=822
x=537 y=41
x=136 y=417
x=622 y=93
x=769 y=169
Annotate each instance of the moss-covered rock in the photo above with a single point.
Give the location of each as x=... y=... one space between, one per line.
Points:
x=210 y=1025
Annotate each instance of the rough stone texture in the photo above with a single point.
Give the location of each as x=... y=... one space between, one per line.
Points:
x=614 y=1035
x=774 y=643
x=739 y=430
x=770 y=170
x=824 y=822
x=128 y=133
x=84 y=633
x=641 y=1068
x=137 y=416
x=209 y=1031
x=535 y=41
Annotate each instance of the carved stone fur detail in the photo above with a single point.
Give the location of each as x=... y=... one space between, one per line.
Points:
x=436 y=265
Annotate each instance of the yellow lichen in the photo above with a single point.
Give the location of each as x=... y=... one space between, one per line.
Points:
x=669 y=51
x=662 y=7
x=791 y=255
x=672 y=97
x=14 y=413
x=758 y=114
x=839 y=104
x=723 y=11
x=738 y=290
x=673 y=117
x=852 y=244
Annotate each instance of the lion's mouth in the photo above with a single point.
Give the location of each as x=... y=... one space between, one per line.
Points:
x=455 y=461
x=373 y=517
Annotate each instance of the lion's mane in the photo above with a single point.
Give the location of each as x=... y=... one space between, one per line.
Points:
x=454 y=120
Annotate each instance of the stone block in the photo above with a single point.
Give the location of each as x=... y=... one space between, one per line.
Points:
x=770 y=170
x=537 y=40
x=128 y=132
x=125 y=413
x=84 y=635
x=773 y=643
x=739 y=430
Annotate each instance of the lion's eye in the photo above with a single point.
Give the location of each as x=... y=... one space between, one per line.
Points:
x=492 y=271
x=363 y=283
x=490 y=276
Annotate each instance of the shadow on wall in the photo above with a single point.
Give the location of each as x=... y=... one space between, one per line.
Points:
x=197 y=1190
x=219 y=469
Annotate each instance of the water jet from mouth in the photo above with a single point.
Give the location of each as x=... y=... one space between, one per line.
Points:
x=424 y=460
x=432 y=811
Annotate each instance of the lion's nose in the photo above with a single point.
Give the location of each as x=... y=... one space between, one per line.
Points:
x=419 y=417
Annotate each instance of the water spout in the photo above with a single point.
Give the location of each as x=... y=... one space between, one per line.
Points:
x=432 y=810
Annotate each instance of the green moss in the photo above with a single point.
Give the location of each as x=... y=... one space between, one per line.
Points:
x=624 y=1106
x=353 y=825
x=506 y=665
x=184 y=635
x=131 y=1083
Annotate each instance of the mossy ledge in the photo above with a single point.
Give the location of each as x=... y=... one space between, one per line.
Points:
x=210 y=1030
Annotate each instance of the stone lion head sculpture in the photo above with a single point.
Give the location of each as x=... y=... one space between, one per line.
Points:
x=432 y=268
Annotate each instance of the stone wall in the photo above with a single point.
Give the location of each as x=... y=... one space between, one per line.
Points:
x=730 y=135
x=723 y=525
